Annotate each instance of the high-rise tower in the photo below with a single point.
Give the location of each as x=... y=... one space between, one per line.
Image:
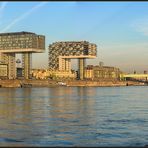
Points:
x=25 y=43
x=61 y=53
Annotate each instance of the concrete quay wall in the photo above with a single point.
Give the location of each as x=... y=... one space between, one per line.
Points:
x=102 y=83
x=9 y=83
x=52 y=83
x=33 y=83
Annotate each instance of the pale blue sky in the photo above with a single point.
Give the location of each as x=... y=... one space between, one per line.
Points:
x=120 y=29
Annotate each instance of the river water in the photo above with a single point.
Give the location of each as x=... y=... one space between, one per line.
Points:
x=74 y=116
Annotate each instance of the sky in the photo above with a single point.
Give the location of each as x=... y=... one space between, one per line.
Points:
x=119 y=29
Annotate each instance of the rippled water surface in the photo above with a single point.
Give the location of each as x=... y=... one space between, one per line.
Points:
x=74 y=116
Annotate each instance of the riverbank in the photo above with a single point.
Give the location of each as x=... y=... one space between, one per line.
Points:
x=103 y=83
x=53 y=83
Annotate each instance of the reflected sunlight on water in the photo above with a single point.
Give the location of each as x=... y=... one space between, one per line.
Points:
x=74 y=116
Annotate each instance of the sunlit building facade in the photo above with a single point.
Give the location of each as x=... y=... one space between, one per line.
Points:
x=4 y=71
x=53 y=75
x=102 y=73
x=25 y=43
x=61 y=53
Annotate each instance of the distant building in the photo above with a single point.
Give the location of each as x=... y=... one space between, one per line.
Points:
x=141 y=77
x=53 y=75
x=101 y=64
x=61 y=53
x=25 y=43
x=145 y=72
x=102 y=73
x=89 y=72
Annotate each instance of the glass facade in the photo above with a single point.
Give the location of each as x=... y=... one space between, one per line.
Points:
x=21 y=40
x=79 y=49
x=3 y=70
x=25 y=43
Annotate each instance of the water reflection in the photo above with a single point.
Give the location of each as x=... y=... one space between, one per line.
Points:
x=66 y=103
x=72 y=116
x=20 y=116
x=47 y=117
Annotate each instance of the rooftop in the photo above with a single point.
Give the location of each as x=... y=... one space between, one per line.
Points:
x=16 y=33
x=70 y=42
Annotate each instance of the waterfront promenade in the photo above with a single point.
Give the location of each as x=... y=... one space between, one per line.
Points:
x=54 y=83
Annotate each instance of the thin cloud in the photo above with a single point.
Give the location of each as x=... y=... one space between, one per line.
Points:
x=2 y=7
x=141 y=26
x=23 y=16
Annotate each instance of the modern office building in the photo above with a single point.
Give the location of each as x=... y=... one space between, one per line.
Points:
x=25 y=43
x=61 y=53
